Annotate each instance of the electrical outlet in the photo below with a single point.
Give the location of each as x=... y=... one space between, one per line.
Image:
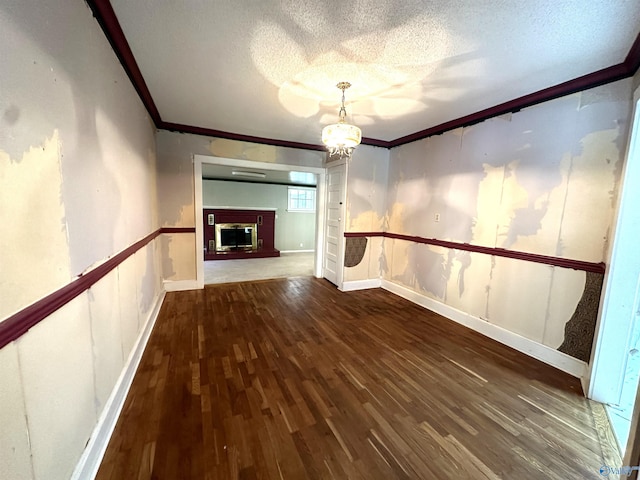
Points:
x=436 y=217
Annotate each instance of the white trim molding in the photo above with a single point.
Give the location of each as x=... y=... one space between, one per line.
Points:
x=89 y=463
x=361 y=284
x=180 y=285
x=548 y=355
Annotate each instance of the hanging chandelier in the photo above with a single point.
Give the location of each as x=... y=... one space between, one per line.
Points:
x=341 y=138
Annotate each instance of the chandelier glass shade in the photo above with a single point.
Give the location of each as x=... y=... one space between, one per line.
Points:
x=341 y=138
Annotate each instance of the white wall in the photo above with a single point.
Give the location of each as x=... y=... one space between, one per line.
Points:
x=77 y=186
x=293 y=230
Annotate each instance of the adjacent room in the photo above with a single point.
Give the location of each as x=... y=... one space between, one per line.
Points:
x=279 y=205
x=287 y=240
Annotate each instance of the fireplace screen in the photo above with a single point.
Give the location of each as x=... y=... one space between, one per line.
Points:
x=236 y=236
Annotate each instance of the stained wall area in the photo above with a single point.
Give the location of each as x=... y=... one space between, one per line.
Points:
x=367 y=177
x=77 y=186
x=543 y=181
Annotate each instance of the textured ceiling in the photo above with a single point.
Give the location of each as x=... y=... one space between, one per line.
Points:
x=268 y=68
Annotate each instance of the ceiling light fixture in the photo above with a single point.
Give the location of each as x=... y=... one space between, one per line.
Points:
x=248 y=174
x=341 y=138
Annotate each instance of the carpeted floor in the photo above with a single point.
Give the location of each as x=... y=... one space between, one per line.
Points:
x=286 y=265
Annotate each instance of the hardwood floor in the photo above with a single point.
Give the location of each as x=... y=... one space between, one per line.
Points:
x=292 y=379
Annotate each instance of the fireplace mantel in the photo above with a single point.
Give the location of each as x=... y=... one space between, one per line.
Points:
x=263 y=218
x=247 y=209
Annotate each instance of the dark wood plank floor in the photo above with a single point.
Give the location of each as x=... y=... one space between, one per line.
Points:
x=292 y=379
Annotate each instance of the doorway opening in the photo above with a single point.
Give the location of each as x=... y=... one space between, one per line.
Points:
x=312 y=245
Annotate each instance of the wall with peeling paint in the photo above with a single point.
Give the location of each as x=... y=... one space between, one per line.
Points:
x=367 y=178
x=175 y=184
x=636 y=81
x=77 y=186
x=543 y=180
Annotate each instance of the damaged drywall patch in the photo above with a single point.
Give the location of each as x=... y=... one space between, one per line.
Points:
x=588 y=210
x=397 y=255
x=464 y=260
x=468 y=272
x=518 y=198
x=396 y=218
x=367 y=189
x=358 y=258
x=518 y=296
x=567 y=287
x=261 y=153
x=386 y=257
x=35 y=253
x=485 y=224
x=221 y=147
x=258 y=152
x=425 y=269
x=354 y=250
x=580 y=329
x=546 y=214
x=179 y=256
x=369 y=221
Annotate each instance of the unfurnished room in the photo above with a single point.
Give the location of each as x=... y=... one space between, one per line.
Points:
x=293 y=240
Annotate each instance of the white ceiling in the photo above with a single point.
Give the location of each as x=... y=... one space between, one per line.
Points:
x=268 y=68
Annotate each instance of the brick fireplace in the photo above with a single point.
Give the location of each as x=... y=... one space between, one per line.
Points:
x=235 y=233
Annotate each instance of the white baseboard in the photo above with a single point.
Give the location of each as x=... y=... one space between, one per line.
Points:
x=297 y=251
x=561 y=361
x=180 y=285
x=361 y=284
x=89 y=463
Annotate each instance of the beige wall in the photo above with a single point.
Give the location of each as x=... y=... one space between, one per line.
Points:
x=543 y=180
x=367 y=178
x=77 y=186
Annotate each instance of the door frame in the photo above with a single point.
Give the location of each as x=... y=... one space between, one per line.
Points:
x=341 y=240
x=617 y=306
x=607 y=359
x=199 y=160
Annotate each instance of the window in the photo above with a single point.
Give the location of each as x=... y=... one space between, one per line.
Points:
x=301 y=199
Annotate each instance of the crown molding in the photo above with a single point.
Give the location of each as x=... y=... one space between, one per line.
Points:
x=595 y=79
x=176 y=127
x=106 y=17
